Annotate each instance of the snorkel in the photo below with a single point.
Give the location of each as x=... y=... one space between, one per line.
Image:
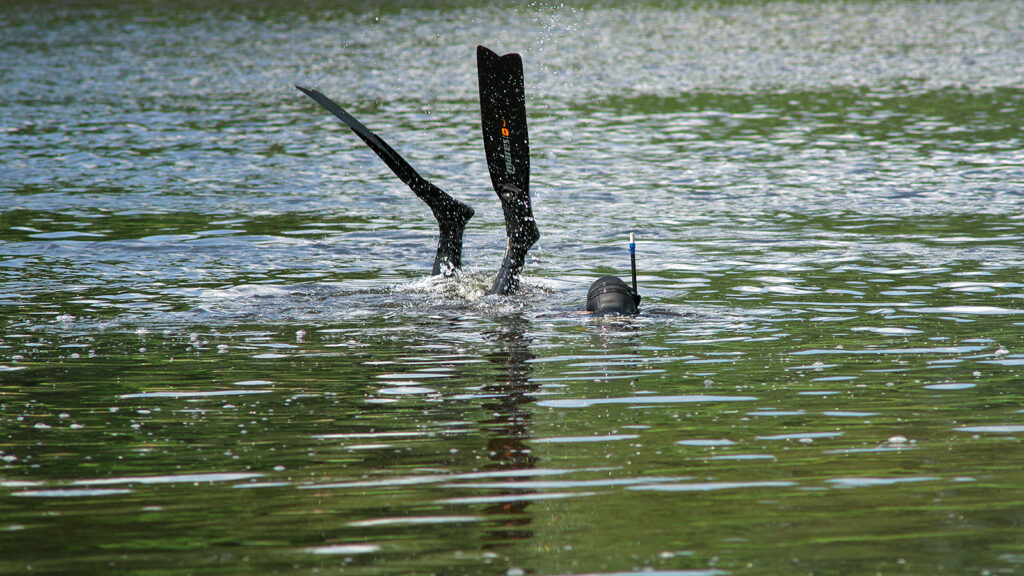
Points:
x=632 y=266
x=610 y=295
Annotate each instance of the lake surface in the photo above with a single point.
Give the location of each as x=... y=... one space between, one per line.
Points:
x=221 y=351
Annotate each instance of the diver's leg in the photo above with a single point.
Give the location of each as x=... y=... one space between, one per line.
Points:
x=507 y=146
x=452 y=216
x=450 y=213
x=521 y=231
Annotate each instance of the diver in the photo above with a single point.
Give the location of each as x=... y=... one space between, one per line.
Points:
x=507 y=147
x=610 y=295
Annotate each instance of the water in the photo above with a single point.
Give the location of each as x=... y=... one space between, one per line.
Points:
x=220 y=351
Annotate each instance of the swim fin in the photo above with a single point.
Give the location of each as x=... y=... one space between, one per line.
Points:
x=507 y=147
x=450 y=213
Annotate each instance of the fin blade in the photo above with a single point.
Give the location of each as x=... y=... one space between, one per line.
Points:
x=503 y=119
x=450 y=213
x=398 y=165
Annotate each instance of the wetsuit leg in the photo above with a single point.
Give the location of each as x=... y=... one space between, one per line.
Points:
x=521 y=232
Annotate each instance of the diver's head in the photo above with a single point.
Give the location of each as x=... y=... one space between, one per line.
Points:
x=610 y=295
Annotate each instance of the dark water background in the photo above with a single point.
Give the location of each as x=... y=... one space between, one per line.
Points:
x=220 y=351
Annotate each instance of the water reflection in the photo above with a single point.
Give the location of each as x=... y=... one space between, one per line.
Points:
x=508 y=428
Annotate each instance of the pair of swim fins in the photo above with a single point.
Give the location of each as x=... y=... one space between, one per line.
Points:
x=507 y=147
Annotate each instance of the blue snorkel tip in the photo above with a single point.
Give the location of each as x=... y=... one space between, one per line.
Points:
x=632 y=265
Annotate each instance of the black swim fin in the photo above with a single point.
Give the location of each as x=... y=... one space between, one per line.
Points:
x=451 y=214
x=507 y=146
